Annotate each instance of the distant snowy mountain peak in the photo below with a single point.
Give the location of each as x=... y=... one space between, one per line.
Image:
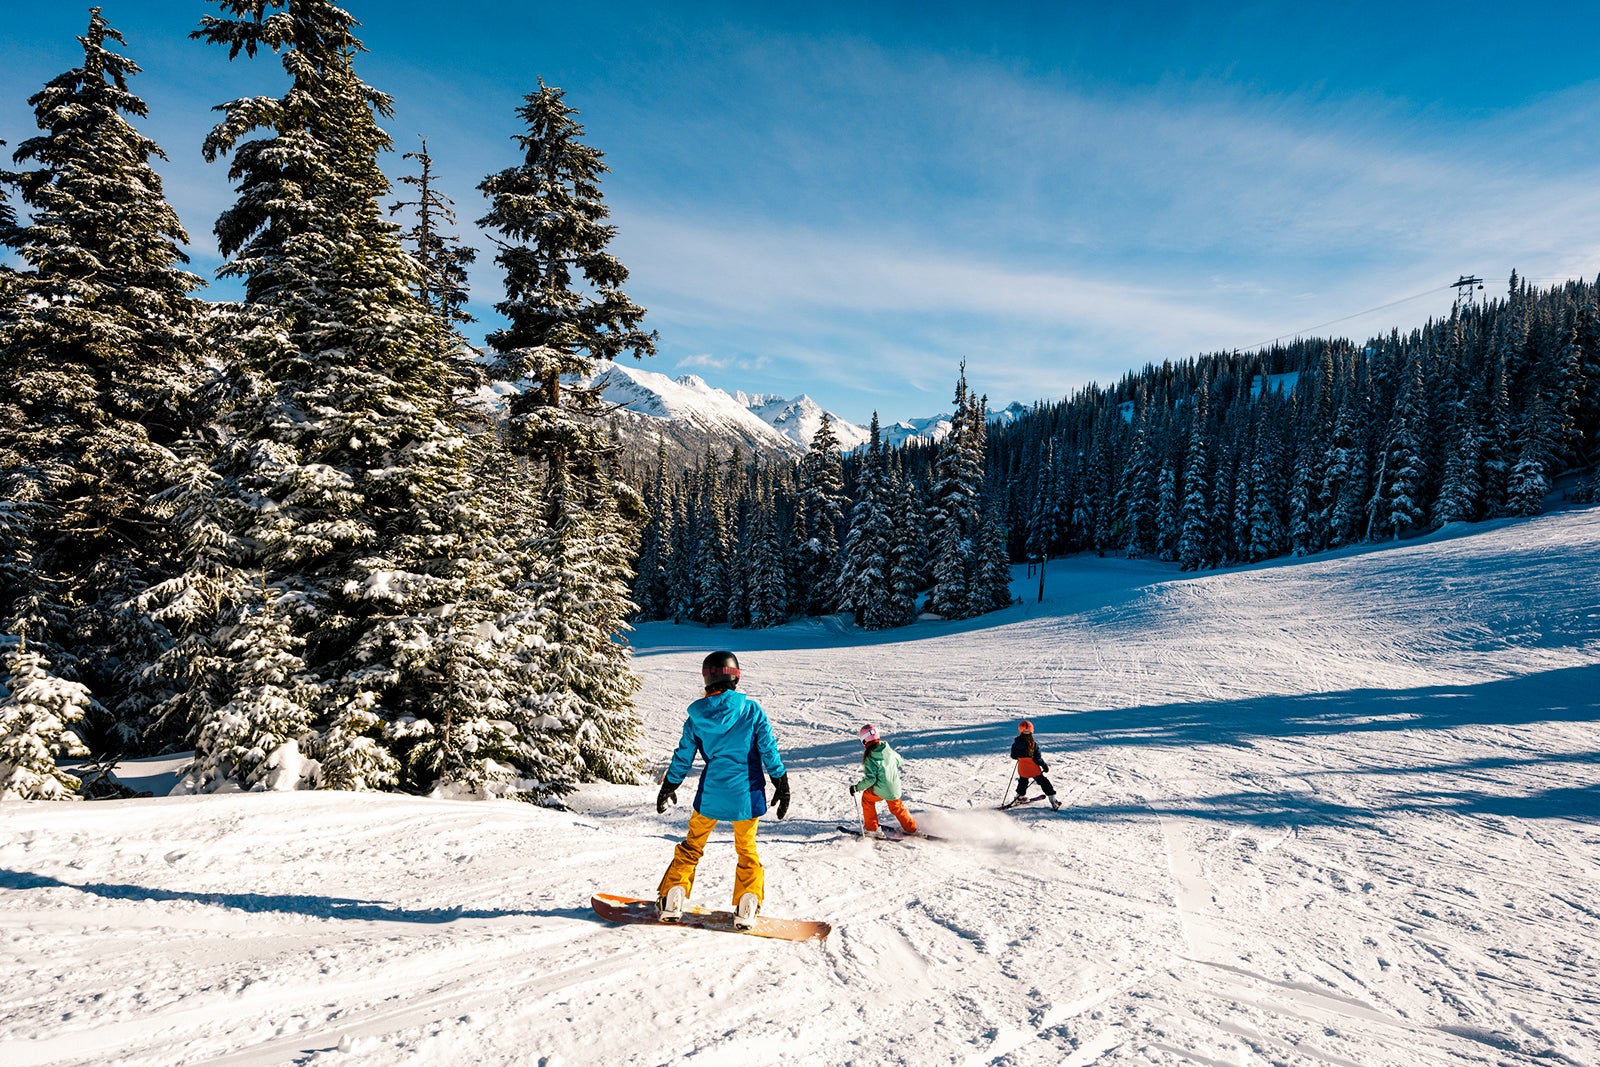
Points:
x=692 y=415
x=695 y=411
x=933 y=428
x=1008 y=414
x=800 y=419
x=756 y=421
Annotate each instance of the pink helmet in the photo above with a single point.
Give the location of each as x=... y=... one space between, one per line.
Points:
x=869 y=732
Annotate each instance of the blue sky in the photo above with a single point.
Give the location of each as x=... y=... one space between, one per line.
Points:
x=848 y=200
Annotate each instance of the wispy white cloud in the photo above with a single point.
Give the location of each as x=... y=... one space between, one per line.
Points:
x=1062 y=234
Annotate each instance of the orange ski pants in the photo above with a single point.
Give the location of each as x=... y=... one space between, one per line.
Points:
x=748 y=877
x=897 y=808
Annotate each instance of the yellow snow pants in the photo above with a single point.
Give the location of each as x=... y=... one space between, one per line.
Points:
x=748 y=877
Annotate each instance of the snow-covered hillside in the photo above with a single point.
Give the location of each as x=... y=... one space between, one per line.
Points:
x=691 y=413
x=1333 y=812
x=690 y=403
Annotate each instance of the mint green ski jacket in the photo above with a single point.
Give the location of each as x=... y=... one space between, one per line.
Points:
x=881 y=771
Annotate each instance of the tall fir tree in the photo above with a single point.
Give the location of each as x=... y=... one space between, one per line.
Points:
x=1402 y=501
x=819 y=516
x=909 y=554
x=1196 y=544
x=954 y=513
x=566 y=312
x=442 y=258
x=98 y=359
x=346 y=479
x=564 y=303
x=769 y=569
x=651 y=591
x=864 y=570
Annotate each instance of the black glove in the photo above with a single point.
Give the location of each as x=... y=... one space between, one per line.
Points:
x=1044 y=767
x=852 y=790
x=780 y=794
x=669 y=791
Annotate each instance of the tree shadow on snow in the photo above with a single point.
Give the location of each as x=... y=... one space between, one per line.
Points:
x=1305 y=809
x=290 y=903
x=1566 y=695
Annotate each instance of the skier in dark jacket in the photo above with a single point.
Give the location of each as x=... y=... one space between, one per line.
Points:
x=1030 y=766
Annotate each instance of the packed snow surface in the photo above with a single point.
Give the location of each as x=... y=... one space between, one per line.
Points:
x=1334 y=811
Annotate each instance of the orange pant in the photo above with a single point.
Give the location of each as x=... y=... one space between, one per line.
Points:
x=748 y=877
x=897 y=808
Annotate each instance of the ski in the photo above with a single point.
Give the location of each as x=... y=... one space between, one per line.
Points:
x=890 y=835
x=1013 y=803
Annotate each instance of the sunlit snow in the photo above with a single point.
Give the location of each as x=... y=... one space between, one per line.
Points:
x=1337 y=811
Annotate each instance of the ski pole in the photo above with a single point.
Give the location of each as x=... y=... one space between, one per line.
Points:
x=1009 y=780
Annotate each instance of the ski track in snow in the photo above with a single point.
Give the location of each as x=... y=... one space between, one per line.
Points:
x=1339 y=811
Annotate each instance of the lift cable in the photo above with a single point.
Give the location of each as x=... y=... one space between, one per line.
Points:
x=1347 y=318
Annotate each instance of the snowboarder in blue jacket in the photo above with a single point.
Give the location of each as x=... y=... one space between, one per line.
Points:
x=733 y=735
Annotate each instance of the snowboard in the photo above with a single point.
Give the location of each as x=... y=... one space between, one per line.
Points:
x=629 y=910
x=889 y=835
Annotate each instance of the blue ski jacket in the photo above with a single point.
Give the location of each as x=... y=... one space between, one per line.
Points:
x=734 y=737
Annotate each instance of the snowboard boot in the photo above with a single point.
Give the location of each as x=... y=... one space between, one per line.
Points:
x=744 y=917
x=669 y=909
x=1055 y=804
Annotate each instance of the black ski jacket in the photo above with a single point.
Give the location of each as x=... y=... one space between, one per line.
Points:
x=1024 y=747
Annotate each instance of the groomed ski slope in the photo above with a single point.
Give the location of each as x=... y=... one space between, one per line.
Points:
x=1342 y=811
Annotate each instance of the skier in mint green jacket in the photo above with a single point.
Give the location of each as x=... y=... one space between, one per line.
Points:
x=880 y=780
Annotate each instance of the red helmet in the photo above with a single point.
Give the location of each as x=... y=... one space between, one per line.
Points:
x=1024 y=727
x=868 y=732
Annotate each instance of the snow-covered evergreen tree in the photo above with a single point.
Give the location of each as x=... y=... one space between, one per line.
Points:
x=442 y=258
x=1530 y=482
x=1268 y=537
x=909 y=553
x=680 y=570
x=954 y=510
x=98 y=355
x=37 y=713
x=819 y=516
x=346 y=479
x=566 y=312
x=250 y=738
x=713 y=550
x=864 y=569
x=1168 y=523
x=1461 y=488
x=1196 y=546
x=769 y=569
x=587 y=682
x=991 y=587
x=564 y=301
x=651 y=591
x=1139 y=484
x=1403 y=505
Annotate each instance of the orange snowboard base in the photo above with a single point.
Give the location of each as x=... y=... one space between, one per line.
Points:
x=633 y=910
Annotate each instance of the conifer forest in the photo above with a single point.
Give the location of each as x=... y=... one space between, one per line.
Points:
x=288 y=534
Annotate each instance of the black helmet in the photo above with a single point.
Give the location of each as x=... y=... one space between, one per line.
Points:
x=720 y=671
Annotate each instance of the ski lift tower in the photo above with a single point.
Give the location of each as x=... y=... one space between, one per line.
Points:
x=1464 y=287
